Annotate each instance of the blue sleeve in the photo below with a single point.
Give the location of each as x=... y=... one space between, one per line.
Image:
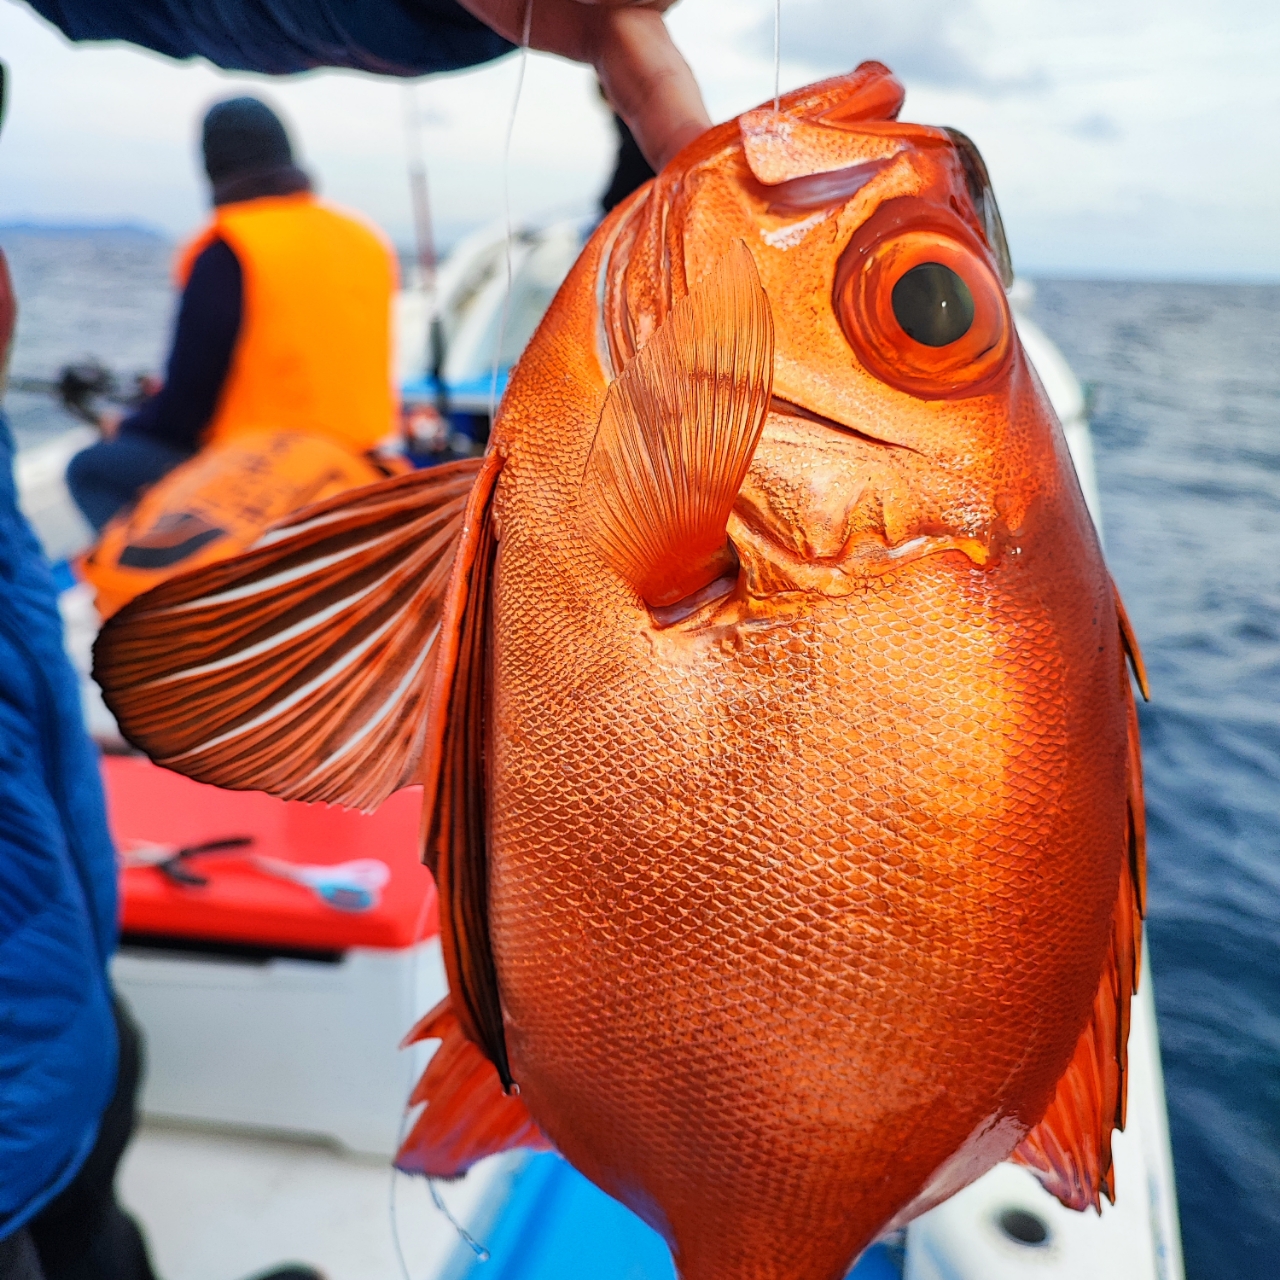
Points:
x=204 y=339
x=280 y=37
x=57 y=890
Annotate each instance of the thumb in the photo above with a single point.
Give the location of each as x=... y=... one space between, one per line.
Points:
x=648 y=81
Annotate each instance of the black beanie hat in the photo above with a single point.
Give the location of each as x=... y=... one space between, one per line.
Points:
x=247 y=152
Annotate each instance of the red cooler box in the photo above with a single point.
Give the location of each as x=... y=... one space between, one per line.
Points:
x=264 y=1005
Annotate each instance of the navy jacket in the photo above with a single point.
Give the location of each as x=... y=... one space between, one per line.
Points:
x=392 y=37
x=57 y=866
x=204 y=340
x=57 y=890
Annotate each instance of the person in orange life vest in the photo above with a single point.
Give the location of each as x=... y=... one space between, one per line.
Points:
x=284 y=322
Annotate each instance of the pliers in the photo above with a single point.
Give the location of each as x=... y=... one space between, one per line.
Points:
x=171 y=862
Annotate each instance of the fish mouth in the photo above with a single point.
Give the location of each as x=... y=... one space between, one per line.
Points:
x=770 y=568
x=791 y=409
x=769 y=575
x=977 y=550
x=817 y=513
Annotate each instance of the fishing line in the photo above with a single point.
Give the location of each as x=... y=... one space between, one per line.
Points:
x=482 y=1254
x=391 y=1200
x=506 y=203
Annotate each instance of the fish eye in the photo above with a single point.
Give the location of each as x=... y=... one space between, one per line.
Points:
x=933 y=305
x=919 y=299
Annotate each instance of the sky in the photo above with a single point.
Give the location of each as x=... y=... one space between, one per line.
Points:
x=1125 y=138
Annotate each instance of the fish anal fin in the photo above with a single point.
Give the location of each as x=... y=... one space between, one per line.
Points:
x=676 y=436
x=1070 y=1149
x=455 y=779
x=467 y=1115
x=302 y=667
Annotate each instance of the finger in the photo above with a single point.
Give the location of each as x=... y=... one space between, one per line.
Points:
x=648 y=82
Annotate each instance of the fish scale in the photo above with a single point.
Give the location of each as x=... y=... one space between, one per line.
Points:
x=537 y=864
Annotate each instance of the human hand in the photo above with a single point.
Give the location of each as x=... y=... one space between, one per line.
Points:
x=643 y=74
x=8 y=319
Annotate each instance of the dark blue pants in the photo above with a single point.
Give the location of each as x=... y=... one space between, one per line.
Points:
x=108 y=477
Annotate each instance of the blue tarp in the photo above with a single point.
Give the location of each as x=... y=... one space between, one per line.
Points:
x=550 y=1223
x=280 y=37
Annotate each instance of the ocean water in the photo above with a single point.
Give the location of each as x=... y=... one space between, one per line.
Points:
x=102 y=294
x=1185 y=383
x=1186 y=420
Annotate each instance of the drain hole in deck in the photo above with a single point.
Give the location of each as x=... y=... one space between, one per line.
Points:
x=1023 y=1227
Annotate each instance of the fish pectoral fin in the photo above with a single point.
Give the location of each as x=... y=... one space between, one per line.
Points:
x=304 y=666
x=467 y=1116
x=676 y=436
x=1070 y=1149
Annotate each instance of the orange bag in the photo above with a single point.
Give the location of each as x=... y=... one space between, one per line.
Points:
x=215 y=505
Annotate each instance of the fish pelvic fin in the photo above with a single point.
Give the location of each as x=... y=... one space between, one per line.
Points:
x=1132 y=652
x=467 y=1114
x=1070 y=1149
x=455 y=779
x=304 y=666
x=677 y=434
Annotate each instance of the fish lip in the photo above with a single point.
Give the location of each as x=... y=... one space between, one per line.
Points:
x=873 y=555
x=732 y=602
x=979 y=551
x=771 y=568
x=791 y=409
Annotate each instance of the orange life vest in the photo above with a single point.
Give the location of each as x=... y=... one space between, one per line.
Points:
x=313 y=354
x=215 y=505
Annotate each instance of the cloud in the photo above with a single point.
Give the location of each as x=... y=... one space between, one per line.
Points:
x=924 y=41
x=108 y=133
x=1096 y=127
x=1092 y=171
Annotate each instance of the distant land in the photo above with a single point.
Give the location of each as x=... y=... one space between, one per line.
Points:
x=34 y=227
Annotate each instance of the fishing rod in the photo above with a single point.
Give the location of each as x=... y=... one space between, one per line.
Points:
x=425 y=243
x=79 y=385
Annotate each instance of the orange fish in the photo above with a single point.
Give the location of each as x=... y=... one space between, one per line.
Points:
x=768 y=691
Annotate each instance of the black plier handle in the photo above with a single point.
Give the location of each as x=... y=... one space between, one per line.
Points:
x=171 y=863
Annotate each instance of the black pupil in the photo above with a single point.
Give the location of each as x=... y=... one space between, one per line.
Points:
x=933 y=305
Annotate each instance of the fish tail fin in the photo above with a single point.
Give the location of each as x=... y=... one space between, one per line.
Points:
x=467 y=1115
x=1070 y=1149
x=676 y=436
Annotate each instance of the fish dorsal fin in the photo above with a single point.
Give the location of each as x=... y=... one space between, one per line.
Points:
x=467 y=1114
x=1070 y=1149
x=677 y=434
x=304 y=666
